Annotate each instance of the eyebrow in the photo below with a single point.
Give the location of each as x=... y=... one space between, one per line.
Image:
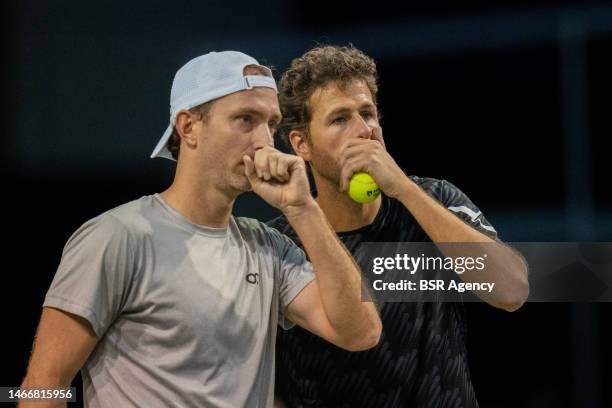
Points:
x=248 y=110
x=366 y=105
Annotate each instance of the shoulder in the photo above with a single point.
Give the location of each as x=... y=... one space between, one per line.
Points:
x=456 y=201
x=135 y=216
x=264 y=239
x=280 y=223
x=433 y=186
x=251 y=225
x=251 y=228
x=128 y=219
x=443 y=190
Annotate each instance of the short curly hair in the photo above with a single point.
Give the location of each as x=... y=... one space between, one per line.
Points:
x=315 y=69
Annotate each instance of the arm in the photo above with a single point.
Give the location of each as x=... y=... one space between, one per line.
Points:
x=505 y=266
x=63 y=343
x=331 y=305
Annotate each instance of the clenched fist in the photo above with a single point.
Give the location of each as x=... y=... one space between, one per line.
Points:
x=279 y=178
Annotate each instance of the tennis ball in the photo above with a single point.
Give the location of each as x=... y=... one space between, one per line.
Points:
x=363 y=188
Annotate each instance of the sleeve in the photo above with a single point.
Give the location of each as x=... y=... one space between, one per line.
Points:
x=92 y=280
x=457 y=202
x=294 y=272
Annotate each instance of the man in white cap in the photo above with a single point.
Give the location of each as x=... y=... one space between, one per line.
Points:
x=169 y=300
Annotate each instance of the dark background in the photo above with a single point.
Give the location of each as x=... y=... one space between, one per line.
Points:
x=509 y=100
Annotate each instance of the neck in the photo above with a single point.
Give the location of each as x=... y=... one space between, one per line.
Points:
x=197 y=198
x=343 y=213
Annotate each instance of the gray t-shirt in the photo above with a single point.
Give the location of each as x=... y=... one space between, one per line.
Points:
x=185 y=315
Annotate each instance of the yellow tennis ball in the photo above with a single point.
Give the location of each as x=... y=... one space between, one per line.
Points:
x=363 y=188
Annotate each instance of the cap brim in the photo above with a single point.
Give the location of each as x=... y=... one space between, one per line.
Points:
x=161 y=150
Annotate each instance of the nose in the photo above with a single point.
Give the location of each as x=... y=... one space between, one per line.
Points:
x=263 y=137
x=363 y=130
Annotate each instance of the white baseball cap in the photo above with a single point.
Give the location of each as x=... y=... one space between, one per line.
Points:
x=205 y=78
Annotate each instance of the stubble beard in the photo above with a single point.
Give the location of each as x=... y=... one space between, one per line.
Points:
x=239 y=180
x=326 y=168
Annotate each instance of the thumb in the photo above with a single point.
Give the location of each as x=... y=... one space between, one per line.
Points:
x=378 y=136
x=249 y=169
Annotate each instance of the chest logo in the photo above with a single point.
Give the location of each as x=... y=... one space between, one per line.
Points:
x=252 y=278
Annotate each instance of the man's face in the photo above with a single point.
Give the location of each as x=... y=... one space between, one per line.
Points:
x=338 y=114
x=237 y=125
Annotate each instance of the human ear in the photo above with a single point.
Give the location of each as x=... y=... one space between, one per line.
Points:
x=184 y=125
x=300 y=144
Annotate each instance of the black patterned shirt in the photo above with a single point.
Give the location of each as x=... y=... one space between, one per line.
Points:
x=421 y=359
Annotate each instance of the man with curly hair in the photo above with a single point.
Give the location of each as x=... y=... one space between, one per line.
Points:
x=331 y=120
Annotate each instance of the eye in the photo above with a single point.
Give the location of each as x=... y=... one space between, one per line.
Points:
x=339 y=120
x=367 y=115
x=245 y=122
x=273 y=125
x=245 y=119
